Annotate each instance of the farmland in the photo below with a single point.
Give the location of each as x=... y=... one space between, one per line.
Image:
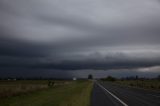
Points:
x=13 y=88
x=134 y=81
x=38 y=93
x=146 y=84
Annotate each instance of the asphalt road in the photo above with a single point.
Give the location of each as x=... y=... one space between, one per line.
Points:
x=109 y=94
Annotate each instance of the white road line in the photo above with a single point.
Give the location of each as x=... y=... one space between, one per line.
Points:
x=112 y=95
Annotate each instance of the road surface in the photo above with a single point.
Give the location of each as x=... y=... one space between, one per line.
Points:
x=109 y=94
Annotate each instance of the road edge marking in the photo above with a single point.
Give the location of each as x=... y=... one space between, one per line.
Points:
x=112 y=94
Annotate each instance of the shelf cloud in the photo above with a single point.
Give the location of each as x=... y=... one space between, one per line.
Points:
x=72 y=36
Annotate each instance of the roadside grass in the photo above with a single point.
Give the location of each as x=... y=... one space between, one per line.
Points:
x=146 y=84
x=13 y=88
x=73 y=94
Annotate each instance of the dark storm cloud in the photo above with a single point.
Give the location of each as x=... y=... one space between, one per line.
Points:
x=79 y=35
x=74 y=65
x=116 y=61
x=9 y=47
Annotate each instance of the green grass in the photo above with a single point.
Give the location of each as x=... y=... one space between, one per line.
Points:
x=72 y=94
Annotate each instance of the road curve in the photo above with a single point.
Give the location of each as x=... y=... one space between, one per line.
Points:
x=109 y=94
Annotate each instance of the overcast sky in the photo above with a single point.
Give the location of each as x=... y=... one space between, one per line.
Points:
x=66 y=38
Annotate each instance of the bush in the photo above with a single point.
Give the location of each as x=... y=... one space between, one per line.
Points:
x=131 y=84
x=50 y=84
x=151 y=86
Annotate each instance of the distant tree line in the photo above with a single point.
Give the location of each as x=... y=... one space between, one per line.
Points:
x=111 y=78
x=90 y=76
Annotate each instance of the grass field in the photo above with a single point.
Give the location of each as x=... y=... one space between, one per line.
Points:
x=146 y=84
x=13 y=88
x=67 y=94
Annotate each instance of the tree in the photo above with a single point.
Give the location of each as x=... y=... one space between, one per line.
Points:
x=158 y=77
x=90 y=76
